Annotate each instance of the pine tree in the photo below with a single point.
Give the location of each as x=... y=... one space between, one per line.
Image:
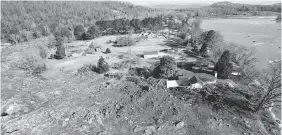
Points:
x=102 y=66
x=223 y=67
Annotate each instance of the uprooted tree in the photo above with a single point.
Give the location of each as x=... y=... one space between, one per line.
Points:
x=244 y=57
x=223 y=67
x=210 y=38
x=166 y=68
x=271 y=83
x=195 y=32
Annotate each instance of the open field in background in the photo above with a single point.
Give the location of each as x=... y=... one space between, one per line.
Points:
x=264 y=33
x=129 y=53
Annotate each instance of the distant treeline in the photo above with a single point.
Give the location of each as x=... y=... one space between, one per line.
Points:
x=125 y=26
x=228 y=8
x=122 y=25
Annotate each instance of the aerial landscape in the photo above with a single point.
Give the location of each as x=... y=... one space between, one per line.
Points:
x=124 y=68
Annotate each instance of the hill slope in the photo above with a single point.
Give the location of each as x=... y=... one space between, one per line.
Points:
x=29 y=15
x=247 y=7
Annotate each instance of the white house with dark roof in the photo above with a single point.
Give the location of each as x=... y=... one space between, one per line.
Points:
x=78 y=53
x=186 y=81
x=191 y=80
x=150 y=54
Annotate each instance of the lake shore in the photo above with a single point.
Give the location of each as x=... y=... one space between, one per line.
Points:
x=260 y=32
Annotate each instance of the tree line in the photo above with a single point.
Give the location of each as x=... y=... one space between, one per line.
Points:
x=228 y=8
x=28 y=20
x=120 y=26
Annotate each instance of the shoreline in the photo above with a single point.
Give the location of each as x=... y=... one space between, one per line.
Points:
x=241 y=17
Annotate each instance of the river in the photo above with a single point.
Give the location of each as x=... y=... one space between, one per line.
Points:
x=264 y=33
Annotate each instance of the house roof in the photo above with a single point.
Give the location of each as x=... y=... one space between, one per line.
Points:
x=227 y=81
x=184 y=81
x=172 y=83
x=202 y=76
x=195 y=79
x=150 y=52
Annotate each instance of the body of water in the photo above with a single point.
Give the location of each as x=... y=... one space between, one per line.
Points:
x=264 y=33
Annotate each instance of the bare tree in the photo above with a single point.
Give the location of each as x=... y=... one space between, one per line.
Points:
x=242 y=56
x=193 y=28
x=271 y=83
x=195 y=31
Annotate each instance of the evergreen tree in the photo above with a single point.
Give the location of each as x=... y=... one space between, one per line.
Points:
x=108 y=50
x=93 y=32
x=78 y=32
x=102 y=66
x=223 y=67
x=61 y=52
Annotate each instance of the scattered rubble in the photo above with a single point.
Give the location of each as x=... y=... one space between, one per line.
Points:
x=138 y=128
x=179 y=125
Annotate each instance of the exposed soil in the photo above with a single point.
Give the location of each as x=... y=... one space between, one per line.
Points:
x=61 y=101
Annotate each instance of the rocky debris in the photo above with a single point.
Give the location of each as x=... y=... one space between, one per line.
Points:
x=102 y=133
x=247 y=124
x=19 y=105
x=64 y=124
x=99 y=119
x=138 y=128
x=151 y=128
x=57 y=93
x=14 y=108
x=255 y=83
x=179 y=125
x=148 y=132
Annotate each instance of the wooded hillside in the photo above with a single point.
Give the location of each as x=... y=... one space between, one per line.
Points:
x=28 y=16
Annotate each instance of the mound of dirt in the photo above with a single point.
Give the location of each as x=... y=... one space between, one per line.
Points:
x=95 y=104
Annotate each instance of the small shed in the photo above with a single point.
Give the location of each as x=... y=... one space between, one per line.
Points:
x=150 y=54
x=172 y=83
x=97 y=49
x=184 y=81
x=79 y=53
